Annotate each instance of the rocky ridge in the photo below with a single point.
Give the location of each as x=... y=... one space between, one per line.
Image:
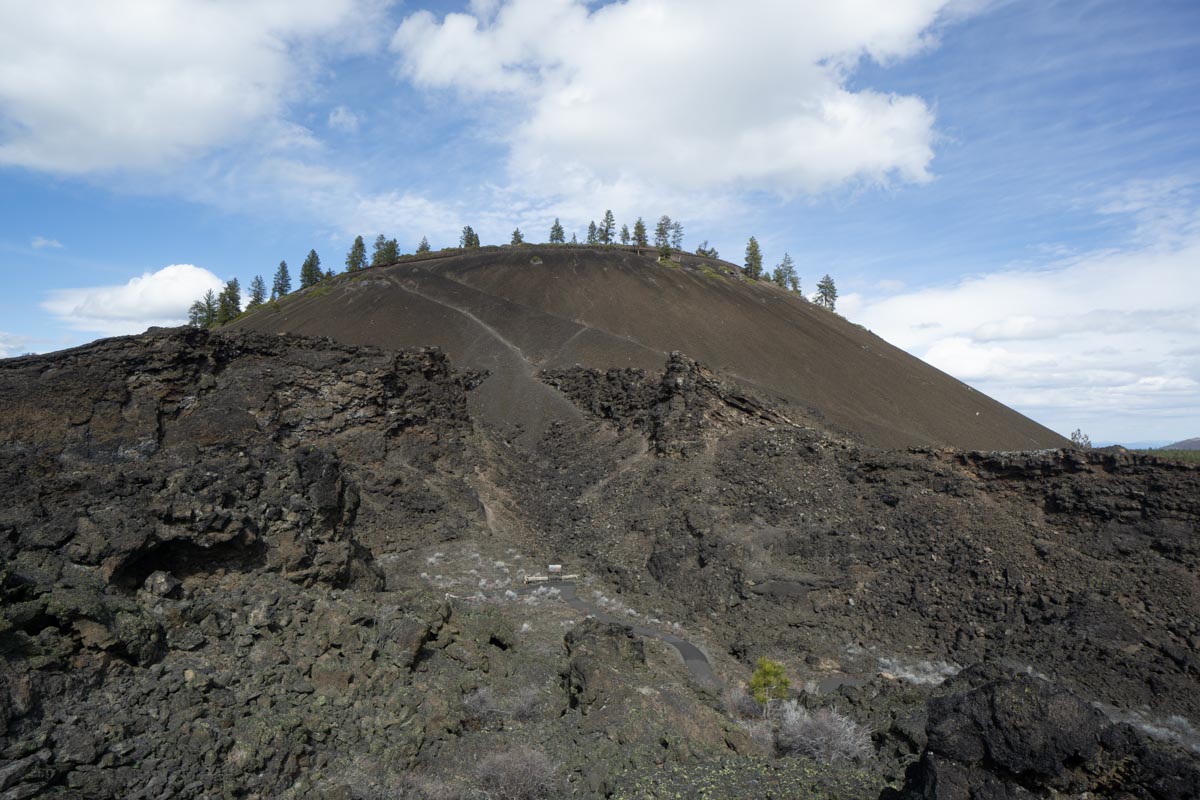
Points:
x=243 y=565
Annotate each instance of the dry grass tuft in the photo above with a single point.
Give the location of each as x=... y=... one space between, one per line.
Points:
x=521 y=773
x=825 y=734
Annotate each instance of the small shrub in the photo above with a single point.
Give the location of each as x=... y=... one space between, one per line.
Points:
x=760 y=731
x=825 y=735
x=481 y=707
x=524 y=704
x=521 y=773
x=740 y=705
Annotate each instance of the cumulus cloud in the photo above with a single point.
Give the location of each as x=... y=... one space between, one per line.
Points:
x=41 y=243
x=692 y=95
x=141 y=83
x=1097 y=340
x=154 y=298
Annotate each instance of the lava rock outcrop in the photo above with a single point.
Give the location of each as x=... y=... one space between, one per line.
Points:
x=248 y=565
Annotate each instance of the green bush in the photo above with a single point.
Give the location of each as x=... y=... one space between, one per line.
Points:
x=769 y=682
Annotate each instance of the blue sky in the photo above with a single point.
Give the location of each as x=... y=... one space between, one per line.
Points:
x=1008 y=190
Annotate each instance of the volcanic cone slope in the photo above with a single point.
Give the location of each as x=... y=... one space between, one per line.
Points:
x=515 y=311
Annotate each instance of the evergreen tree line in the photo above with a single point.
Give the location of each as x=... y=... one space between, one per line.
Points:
x=785 y=275
x=219 y=308
x=668 y=238
x=668 y=234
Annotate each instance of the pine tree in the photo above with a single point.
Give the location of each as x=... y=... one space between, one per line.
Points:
x=469 y=237
x=229 y=302
x=310 y=270
x=592 y=233
x=785 y=274
x=557 y=234
x=706 y=251
x=210 y=308
x=753 y=259
x=625 y=234
x=517 y=237
x=258 y=292
x=677 y=234
x=827 y=293
x=282 y=283
x=662 y=231
x=639 y=233
x=356 y=259
x=574 y=238
x=204 y=311
x=608 y=227
x=794 y=283
x=387 y=251
x=424 y=247
x=769 y=682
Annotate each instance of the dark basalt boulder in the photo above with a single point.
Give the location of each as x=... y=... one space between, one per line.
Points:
x=1004 y=736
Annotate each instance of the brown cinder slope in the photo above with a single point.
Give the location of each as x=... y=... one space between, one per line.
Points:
x=517 y=311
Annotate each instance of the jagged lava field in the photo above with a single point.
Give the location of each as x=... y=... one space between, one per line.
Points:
x=286 y=558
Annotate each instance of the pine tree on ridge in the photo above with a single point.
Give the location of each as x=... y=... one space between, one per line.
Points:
x=753 y=259
x=310 y=270
x=282 y=283
x=356 y=259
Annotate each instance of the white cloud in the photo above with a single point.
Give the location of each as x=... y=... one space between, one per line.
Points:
x=344 y=120
x=335 y=196
x=13 y=345
x=403 y=214
x=41 y=243
x=687 y=95
x=143 y=83
x=1163 y=210
x=1104 y=341
x=154 y=298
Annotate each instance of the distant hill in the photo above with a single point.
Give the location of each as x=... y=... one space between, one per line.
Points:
x=515 y=311
x=1186 y=444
